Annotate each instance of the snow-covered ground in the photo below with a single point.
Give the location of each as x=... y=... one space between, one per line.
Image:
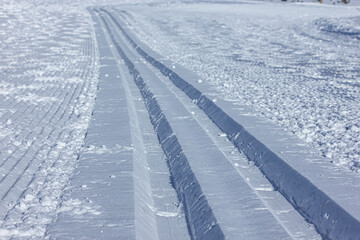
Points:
x=297 y=64
x=78 y=152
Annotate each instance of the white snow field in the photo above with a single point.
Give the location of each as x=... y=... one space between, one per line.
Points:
x=179 y=120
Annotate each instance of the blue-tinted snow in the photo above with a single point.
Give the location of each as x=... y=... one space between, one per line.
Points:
x=295 y=64
x=48 y=77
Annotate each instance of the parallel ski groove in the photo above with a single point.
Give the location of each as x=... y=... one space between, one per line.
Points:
x=279 y=173
x=188 y=189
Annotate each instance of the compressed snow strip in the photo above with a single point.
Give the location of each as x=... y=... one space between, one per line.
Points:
x=201 y=221
x=331 y=220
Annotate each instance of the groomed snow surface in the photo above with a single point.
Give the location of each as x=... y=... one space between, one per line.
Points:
x=179 y=120
x=48 y=79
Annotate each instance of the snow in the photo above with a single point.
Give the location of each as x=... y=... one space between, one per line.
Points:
x=260 y=141
x=80 y=158
x=48 y=84
x=296 y=64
